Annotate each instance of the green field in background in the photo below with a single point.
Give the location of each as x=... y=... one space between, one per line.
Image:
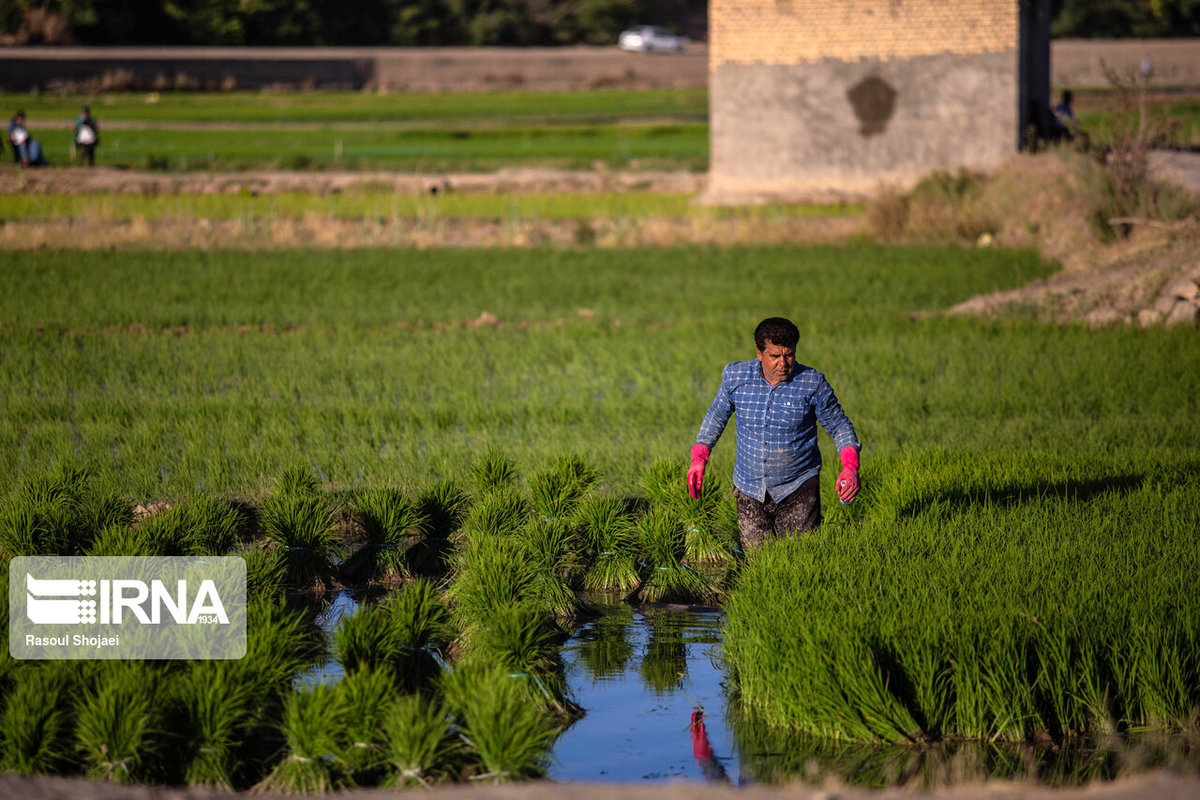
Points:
x=383 y=204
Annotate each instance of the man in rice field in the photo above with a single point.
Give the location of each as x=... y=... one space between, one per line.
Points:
x=776 y=475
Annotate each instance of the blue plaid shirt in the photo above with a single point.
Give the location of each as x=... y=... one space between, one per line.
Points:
x=776 y=426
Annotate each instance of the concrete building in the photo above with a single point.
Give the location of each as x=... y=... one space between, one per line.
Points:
x=828 y=97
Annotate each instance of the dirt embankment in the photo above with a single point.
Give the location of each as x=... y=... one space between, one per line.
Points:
x=1159 y=785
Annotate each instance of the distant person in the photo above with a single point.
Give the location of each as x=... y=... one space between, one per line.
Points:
x=1065 y=124
x=27 y=151
x=87 y=137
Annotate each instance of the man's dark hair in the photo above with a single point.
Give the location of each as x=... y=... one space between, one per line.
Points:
x=1067 y=97
x=778 y=331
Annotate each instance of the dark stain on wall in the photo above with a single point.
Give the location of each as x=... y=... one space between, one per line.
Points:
x=874 y=102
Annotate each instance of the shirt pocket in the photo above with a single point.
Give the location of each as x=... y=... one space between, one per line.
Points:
x=790 y=413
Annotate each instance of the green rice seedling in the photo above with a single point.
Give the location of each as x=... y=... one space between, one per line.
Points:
x=523 y=639
x=520 y=638
x=494 y=470
x=107 y=510
x=665 y=482
x=554 y=492
x=492 y=572
x=301 y=527
x=444 y=506
x=297 y=479
x=369 y=695
x=664 y=546
x=36 y=721
x=609 y=545
x=419 y=741
x=391 y=524
x=500 y=512
x=118 y=732
x=214 y=523
x=217 y=709
x=552 y=552
x=169 y=532
x=421 y=629
x=313 y=727
x=123 y=540
x=420 y=616
x=506 y=733
x=280 y=642
x=266 y=571
x=47 y=515
x=366 y=640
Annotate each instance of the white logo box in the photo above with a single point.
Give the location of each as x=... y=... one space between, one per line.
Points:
x=127 y=608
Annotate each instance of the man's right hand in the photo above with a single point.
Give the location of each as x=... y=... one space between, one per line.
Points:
x=695 y=476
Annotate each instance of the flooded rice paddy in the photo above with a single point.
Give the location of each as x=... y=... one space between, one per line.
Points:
x=654 y=691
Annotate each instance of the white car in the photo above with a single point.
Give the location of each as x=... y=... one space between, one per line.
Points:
x=650 y=39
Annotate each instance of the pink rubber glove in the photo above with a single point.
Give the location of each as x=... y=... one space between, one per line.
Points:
x=847 y=482
x=695 y=477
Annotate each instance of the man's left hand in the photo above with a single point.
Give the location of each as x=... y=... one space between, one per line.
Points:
x=847 y=481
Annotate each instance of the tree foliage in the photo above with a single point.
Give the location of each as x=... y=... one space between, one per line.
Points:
x=348 y=22
x=1126 y=18
x=461 y=22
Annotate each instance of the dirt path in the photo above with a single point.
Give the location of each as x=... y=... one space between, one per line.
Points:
x=514 y=180
x=1159 y=785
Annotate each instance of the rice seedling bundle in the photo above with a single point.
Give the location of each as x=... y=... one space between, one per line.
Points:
x=494 y=470
x=505 y=731
x=443 y=506
x=663 y=540
x=391 y=524
x=266 y=572
x=551 y=549
x=118 y=729
x=421 y=744
x=301 y=526
x=554 y=492
x=365 y=640
x=369 y=695
x=36 y=720
x=1043 y=615
x=123 y=540
x=314 y=729
x=57 y=512
x=609 y=544
x=499 y=512
x=217 y=706
x=492 y=572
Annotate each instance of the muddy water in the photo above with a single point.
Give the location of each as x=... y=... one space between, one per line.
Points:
x=641 y=674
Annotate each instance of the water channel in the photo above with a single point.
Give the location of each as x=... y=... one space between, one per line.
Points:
x=642 y=674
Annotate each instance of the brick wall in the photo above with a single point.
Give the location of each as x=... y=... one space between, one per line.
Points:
x=800 y=31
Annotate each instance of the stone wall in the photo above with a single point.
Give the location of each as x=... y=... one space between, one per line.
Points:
x=811 y=97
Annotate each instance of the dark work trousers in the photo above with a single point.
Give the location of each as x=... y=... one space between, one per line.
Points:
x=796 y=514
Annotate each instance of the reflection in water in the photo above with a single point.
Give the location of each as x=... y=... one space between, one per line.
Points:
x=775 y=757
x=652 y=685
x=657 y=666
x=603 y=646
x=653 y=688
x=664 y=665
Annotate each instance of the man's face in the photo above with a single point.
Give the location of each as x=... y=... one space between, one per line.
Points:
x=777 y=362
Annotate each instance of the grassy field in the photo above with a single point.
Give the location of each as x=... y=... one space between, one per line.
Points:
x=411 y=132
x=424 y=132
x=363 y=366
x=383 y=204
x=1020 y=559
